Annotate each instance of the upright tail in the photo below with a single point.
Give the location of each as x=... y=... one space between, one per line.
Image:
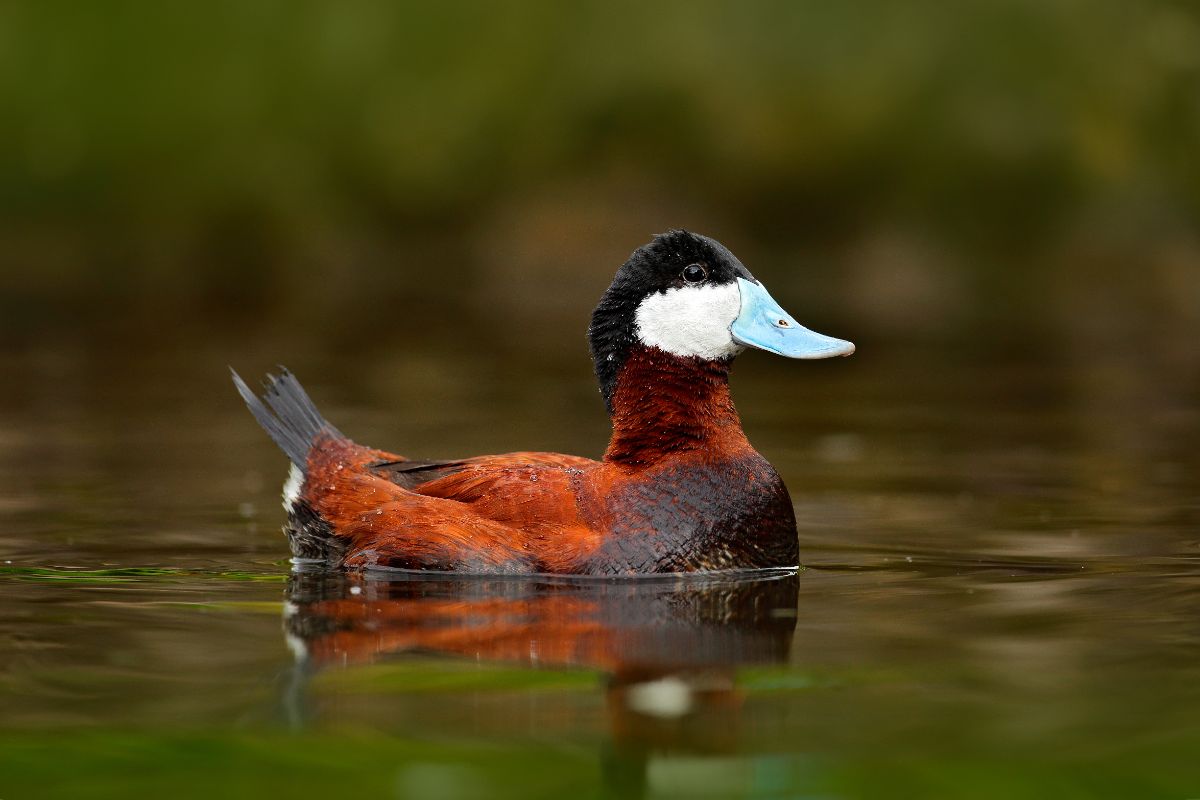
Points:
x=288 y=415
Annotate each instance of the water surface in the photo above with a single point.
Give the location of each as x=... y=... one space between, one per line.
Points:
x=1001 y=595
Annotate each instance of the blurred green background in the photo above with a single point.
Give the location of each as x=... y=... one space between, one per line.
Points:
x=997 y=173
x=415 y=206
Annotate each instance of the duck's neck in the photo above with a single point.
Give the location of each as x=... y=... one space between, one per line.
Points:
x=665 y=405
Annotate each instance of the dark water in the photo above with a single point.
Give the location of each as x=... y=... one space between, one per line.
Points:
x=1001 y=599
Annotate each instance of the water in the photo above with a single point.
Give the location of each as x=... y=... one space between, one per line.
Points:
x=1001 y=595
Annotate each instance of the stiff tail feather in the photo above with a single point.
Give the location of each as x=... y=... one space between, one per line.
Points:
x=288 y=415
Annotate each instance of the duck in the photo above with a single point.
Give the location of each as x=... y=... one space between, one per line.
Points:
x=679 y=488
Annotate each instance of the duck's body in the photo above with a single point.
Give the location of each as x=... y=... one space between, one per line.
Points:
x=679 y=488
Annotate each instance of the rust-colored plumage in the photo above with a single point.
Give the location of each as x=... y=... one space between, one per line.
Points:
x=679 y=488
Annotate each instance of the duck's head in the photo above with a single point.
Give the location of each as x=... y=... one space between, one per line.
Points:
x=687 y=295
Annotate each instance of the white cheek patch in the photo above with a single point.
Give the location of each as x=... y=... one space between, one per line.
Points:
x=691 y=320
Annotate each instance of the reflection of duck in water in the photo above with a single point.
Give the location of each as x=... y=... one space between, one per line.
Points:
x=650 y=624
x=669 y=647
x=679 y=488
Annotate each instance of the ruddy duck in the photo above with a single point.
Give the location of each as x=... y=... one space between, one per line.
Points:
x=679 y=488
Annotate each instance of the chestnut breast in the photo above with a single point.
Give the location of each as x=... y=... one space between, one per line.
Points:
x=691 y=513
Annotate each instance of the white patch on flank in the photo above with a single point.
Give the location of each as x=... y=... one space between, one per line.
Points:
x=691 y=320
x=291 y=489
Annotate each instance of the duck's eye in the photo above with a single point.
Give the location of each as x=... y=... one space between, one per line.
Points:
x=695 y=273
